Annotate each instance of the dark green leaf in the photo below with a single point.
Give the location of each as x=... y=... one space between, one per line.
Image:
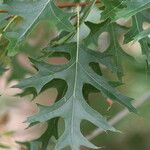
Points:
x=29 y=14
x=114 y=48
x=133 y=7
x=72 y=107
x=136 y=30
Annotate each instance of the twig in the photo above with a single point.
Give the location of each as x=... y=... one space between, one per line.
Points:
x=69 y=4
x=65 y=5
x=3 y=11
x=120 y=116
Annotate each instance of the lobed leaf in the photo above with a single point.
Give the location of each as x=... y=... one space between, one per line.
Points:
x=72 y=107
x=114 y=49
x=133 y=7
x=136 y=30
x=29 y=14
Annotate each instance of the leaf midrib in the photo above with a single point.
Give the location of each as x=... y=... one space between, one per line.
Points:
x=114 y=41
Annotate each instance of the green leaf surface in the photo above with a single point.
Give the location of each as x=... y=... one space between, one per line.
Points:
x=43 y=142
x=2 y=70
x=133 y=7
x=136 y=30
x=72 y=107
x=3 y=20
x=142 y=35
x=29 y=14
x=83 y=72
x=114 y=48
x=111 y=8
x=18 y=71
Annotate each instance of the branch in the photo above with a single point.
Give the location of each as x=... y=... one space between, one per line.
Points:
x=69 y=4
x=3 y=11
x=120 y=115
x=65 y=5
